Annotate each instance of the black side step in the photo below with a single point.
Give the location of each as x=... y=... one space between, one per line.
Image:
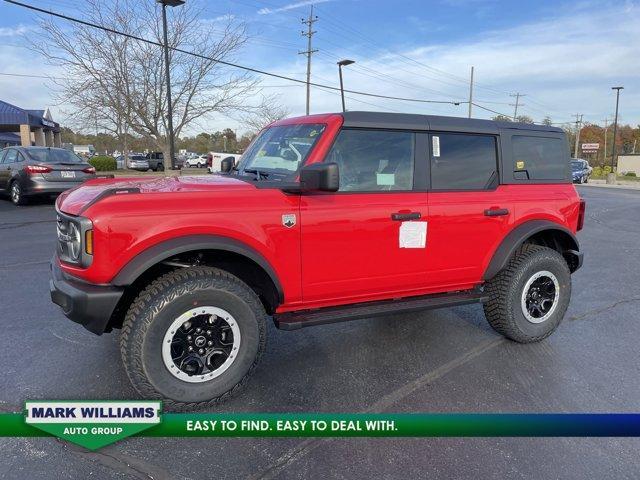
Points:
x=308 y=318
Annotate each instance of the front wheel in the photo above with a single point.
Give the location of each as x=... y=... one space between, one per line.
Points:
x=193 y=337
x=529 y=297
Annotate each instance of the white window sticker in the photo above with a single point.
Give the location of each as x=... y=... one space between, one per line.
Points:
x=436 y=146
x=386 y=179
x=413 y=234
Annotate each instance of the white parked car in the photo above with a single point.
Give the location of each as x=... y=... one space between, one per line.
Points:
x=199 y=161
x=218 y=157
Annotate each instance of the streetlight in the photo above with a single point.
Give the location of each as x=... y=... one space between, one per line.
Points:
x=343 y=63
x=165 y=4
x=224 y=139
x=615 y=129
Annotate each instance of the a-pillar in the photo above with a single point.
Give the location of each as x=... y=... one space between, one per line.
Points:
x=38 y=135
x=25 y=135
x=57 y=139
x=48 y=138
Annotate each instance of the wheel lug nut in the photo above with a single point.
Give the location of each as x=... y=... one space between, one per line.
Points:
x=208 y=332
x=190 y=348
x=201 y=351
x=210 y=343
x=188 y=338
x=198 y=330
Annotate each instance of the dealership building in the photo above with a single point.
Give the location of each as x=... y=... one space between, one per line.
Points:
x=19 y=126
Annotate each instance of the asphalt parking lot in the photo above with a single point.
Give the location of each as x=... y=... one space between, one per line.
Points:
x=437 y=361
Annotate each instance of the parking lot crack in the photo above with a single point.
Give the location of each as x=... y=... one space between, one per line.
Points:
x=121 y=463
x=308 y=445
x=597 y=311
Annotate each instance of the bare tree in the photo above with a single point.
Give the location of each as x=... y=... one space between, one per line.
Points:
x=120 y=81
x=269 y=111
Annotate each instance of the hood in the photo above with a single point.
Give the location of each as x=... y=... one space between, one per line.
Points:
x=78 y=199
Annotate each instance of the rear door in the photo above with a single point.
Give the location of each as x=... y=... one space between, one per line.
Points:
x=351 y=247
x=469 y=212
x=7 y=162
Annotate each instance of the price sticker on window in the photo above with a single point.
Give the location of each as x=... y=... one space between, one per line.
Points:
x=436 y=146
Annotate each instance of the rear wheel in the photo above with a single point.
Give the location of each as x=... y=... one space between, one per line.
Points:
x=529 y=297
x=159 y=167
x=193 y=337
x=17 y=195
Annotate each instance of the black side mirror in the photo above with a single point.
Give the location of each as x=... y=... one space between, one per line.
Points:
x=320 y=177
x=227 y=164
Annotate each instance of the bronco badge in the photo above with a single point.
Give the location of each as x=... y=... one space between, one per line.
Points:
x=289 y=220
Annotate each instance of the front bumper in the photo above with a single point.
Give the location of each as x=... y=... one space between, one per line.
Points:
x=87 y=304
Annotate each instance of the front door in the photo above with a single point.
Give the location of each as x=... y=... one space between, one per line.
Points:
x=363 y=242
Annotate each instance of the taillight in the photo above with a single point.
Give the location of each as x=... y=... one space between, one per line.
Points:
x=89 y=170
x=583 y=206
x=32 y=169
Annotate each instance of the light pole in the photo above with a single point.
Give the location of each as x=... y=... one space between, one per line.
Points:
x=343 y=63
x=615 y=128
x=165 y=4
x=224 y=139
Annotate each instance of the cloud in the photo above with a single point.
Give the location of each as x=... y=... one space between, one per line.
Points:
x=565 y=62
x=16 y=31
x=291 y=6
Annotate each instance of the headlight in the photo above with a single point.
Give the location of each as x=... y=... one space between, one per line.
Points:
x=71 y=233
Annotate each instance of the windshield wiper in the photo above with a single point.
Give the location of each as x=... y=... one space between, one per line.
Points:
x=258 y=173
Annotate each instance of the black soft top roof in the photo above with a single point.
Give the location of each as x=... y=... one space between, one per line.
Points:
x=410 y=121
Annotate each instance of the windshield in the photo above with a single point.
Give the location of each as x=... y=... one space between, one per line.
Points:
x=281 y=150
x=53 y=155
x=576 y=166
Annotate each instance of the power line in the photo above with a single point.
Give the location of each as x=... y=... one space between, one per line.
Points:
x=222 y=62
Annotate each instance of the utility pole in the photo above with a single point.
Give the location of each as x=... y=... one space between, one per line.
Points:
x=615 y=127
x=606 y=127
x=309 y=33
x=517 y=104
x=471 y=93
x=578 y=128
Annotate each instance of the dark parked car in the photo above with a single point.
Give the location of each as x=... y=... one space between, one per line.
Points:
x=156 y=161
x=580 y=170
x=29 y=171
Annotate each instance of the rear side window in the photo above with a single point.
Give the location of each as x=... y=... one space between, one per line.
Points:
x=11 y=156
x=539 y=158
x=374 y=160
x=463 y=162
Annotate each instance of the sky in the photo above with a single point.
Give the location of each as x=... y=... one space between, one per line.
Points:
x=562 y=56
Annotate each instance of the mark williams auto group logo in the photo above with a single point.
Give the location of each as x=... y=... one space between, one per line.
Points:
x=93 y=424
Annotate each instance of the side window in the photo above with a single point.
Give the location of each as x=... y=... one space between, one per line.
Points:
x=374 y=160
x=463 y=161
x=539 y=158
x=11 y=156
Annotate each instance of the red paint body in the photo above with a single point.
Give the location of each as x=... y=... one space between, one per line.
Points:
x=343 y=248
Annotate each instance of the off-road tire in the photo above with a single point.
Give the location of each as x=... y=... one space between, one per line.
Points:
x=503 y=309
x=157 y=306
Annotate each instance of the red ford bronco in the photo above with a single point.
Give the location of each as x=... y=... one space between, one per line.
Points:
x=326 y=218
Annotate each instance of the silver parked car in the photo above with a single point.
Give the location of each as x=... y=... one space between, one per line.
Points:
x=30 y=171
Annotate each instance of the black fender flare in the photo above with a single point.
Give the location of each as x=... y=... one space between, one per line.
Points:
x=517 y=237
x=169 y=248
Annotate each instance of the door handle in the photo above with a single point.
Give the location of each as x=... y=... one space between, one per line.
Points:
x=496 y=212
x=402 y=217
